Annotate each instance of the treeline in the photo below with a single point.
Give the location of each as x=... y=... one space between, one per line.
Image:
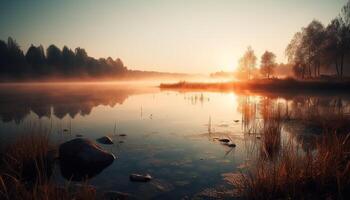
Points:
x=319 y=48
x=315 y=52
x=40 y=63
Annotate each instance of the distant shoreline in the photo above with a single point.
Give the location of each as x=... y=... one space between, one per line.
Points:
x=270 y=85
x=130 y=75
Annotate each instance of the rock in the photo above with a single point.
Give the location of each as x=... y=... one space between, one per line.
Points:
x=115 y=195
x=140 y=178
x=236 y=120
x=81 y=157
x=105 y=140
x=84 y=151
x=230 y=145
x=224 y=140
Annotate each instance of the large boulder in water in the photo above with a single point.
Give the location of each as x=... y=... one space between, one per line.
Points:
x=82 y=158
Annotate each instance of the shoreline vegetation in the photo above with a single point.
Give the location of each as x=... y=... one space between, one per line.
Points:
x=270 y=85
x=285 y=170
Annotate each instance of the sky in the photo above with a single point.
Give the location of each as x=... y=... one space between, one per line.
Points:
x=191 y=36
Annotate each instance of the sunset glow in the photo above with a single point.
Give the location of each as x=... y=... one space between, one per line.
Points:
x=174 y=99
x=174 y=36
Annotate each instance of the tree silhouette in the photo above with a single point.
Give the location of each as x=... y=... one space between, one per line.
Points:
x=54 y=56
x=68 y=57
x=35 y=57
x=268 y=64
x=15 y=58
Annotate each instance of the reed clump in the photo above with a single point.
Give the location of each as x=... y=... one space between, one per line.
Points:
x=294 y=174
x=271 y=131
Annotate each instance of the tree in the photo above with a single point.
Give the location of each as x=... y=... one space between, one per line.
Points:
x=344 y=35
x=53 y=55
x=296 y=56
x=35 y=57
x=313 y=42
x=247 y=64
x=268 y=64
x=305 y=49
x=81 y=56
x=15 y=58
x=3 y=57
x=68 y=57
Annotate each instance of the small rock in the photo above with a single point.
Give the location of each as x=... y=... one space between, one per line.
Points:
x=224 y=140
x=140 y=178
x=236 y=120
x=105 y=140
x=231 y=145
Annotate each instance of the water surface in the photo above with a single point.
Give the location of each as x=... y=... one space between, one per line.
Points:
x=170 y=135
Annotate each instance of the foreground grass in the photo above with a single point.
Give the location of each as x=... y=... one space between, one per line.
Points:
x=26 y=168
x=293 y=174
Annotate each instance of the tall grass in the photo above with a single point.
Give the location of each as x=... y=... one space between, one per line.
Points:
x=271 y=131
x=294 y=174
x=26 y=167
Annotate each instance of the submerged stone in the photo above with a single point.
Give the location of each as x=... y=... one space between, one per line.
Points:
x=224 y=140
x=105 y=140
x=140 y=177
x=230 y=145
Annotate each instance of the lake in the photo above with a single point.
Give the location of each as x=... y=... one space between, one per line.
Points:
x=171 y=135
